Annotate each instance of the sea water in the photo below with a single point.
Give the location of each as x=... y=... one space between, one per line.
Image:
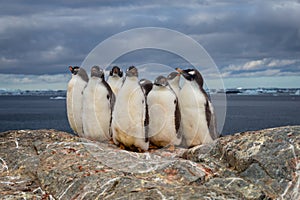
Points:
x=244 y=112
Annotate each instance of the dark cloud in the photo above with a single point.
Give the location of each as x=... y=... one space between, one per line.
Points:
x=44 y=37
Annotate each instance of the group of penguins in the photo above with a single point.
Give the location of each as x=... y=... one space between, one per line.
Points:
x=134 y=113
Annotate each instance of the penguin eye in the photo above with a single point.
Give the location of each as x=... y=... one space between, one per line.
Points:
x=175 y=101
x=142 y=82
x=107 y=96
x=191 y=72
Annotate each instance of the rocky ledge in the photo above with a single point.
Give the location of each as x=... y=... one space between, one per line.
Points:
x=48 y=164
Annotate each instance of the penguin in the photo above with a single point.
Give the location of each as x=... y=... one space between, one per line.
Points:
x=147 y=85
x=129 y=114
x=115 y=79
x=173 y=79
x=164 y=114
x=197 y=113
x=98 y=103
x=75 y=88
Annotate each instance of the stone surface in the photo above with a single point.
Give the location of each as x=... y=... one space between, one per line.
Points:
x=48 y=164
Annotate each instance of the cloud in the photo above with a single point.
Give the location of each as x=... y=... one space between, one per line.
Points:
x=247 y=37
x=6 y=61
x=31 y=82
x=261 y=64
x=263 y=67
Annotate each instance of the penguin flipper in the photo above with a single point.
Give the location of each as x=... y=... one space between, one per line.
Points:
x=146 y=122
x=213 y=124
x=177 y=118
x=112 y=100
x=112 y=97
x=112 y=104
x=207 y=112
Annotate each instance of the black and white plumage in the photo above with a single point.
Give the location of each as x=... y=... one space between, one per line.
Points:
x=164 y=114
x=197 y=113
x=115 y=79
x=75 y=88
x=98 y=103
x=129 y=114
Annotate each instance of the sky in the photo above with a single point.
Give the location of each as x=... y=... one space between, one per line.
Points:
x=253 y=43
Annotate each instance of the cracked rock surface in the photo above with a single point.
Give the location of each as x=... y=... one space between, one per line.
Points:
x=49 y=164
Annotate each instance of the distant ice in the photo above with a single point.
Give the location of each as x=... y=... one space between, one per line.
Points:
x=61 y=94
x=57 y=98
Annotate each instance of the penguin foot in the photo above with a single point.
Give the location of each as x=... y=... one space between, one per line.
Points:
x=122 y=146
x=140 y=150
x=171 y=148
x=152 y=146
x=111 y=141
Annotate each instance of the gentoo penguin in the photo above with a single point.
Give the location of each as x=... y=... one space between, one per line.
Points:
x=197 y=114
x=76 y=86
x=164 y=114
x=115 y=79
x=173 y=79
x=147 y=85
x=98 y=102
x=129 y=114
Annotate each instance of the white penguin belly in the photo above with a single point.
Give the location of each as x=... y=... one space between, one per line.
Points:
x=74 y=104
x=129 y=116
x=115 y=84
x=193 y=115
x=96 y=111
x=161 y=106
x=175 y=88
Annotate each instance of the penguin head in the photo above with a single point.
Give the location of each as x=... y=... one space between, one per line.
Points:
x=191 y=75
x=74 y=70
x=174 y=77
x=116 y=71
x=96 y=71
x=147 y=85
x=161 y=81
x=132 y=72
x=144 y=81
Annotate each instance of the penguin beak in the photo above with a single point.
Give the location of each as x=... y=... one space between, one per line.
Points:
x=71 y=68
x=115 y=72
x=183 y=73
x=179 y=70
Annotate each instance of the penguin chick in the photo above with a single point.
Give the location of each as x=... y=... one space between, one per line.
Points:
x=197 y=114
x=129 y=114
x=115 y=79
x=173 y=79
x=164 y=114
x=75 y=88
x=98 y=102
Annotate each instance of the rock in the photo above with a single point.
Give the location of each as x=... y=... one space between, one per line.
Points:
x=49 y=164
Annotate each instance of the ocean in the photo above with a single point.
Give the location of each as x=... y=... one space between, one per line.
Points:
x=244 y=112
